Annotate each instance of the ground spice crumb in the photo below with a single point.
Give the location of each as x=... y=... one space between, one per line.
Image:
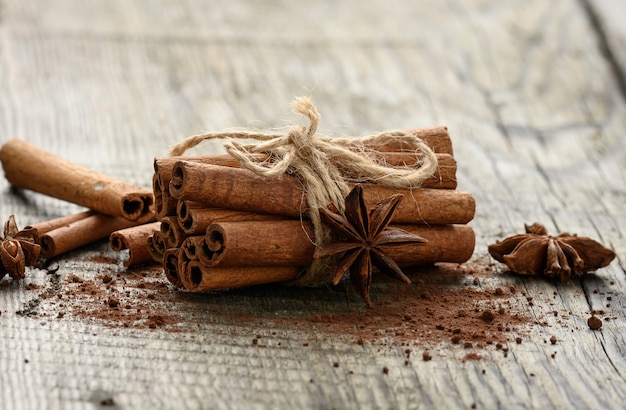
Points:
x=113 y=301
x=594 y=323
x=75 y=279
x=472 y=356
x=518 y=340
x=385 y=370
x=426 y=356
x=467 y=345
x=456 y=339
x=553 y=340
x=553 y=355
x=487 y=316
x=335 y=364
x=106 y=278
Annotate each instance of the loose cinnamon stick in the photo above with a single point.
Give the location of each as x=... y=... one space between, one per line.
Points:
x=47 y=226
x=82 y=232
x=289 y=243
x=135 y=239
x=196 y=277
x=240 y=189
x=194 y=218
x=27 y=166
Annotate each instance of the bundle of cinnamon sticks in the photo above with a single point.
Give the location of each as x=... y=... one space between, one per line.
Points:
x=222 y=226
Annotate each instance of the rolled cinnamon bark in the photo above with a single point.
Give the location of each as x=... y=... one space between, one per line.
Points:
x=196 y=277
x=135 y=239
x=194 y=218
x=47 y=226
x=164 y=203
x=156 y=246
x=172 y=233
x=190 y=246
x=270 y=243
x=171 y=265
x=82 y=232
x=437 y=138
x=27 y=166
x=290 y=243
x=235 y=188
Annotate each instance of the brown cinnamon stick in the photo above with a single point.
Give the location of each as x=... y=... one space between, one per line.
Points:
x=164 y=203
x=290 y=243
x=82 y=232
x=196 y=277
x=191 y=245
x=156 y=246
x=172 y=233
x=194 y=218
x=27 y=166
x=47 y=226
x=171 y=265
x=135 y=239
x=240 y=189
x=271 y=243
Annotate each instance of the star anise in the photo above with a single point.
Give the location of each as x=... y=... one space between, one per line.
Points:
x=535 y=253
x=364 y=232
x=17 y=250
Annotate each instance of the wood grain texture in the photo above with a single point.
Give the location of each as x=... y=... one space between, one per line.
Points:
x=538 y=124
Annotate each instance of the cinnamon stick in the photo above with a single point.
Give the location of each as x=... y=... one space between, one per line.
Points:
x=171 y=266
x=271 y=243
x=172 y=233
x=82 y=232
x=194 y=218
x=190 y=246
x=156 y=246
x=47 y=226
x=290 y=243
x=235 y=188
x=164 y=203
x=29 y=167
x=196 y=277
x=135 y=239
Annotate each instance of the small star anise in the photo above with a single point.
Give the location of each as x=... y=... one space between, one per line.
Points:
x=535 y=253
x=17 y=250
x=365 y=232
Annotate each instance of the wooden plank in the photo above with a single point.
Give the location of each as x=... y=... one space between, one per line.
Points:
x=537 y=122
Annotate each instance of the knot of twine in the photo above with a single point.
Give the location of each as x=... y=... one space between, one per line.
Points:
x=324 y=165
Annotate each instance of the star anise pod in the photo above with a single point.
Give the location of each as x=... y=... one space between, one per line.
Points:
x=364 y=232
x=17 y=250
x=535 y=253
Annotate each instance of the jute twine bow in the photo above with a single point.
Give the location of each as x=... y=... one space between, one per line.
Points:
x=316 y=161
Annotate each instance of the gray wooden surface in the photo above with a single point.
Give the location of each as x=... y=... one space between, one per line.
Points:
x=532 y=92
